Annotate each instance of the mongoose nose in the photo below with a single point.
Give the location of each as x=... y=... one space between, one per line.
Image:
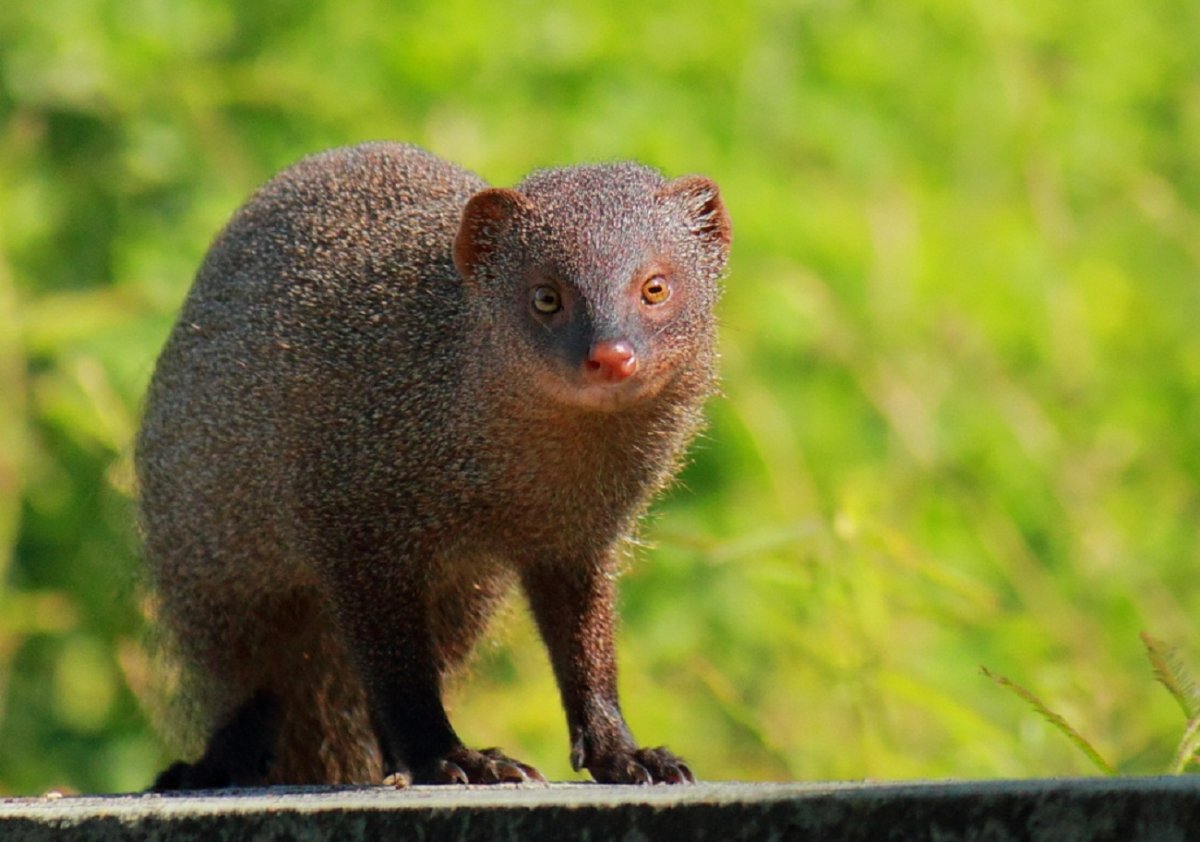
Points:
x=610 y=362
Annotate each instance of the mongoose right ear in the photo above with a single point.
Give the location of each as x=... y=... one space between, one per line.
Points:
x=486 y=218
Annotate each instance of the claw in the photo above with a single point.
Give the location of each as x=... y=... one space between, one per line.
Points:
x=578 y=755
x=512 y=773
x=448 y=772
x=503 y=769
x=533 y=774
x=639 y=774
x=679 y=773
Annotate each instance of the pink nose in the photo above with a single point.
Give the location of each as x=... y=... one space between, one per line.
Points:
x=610 y=362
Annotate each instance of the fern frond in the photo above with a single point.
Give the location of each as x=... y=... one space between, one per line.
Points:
x=1054 y=719
x=1170 y=672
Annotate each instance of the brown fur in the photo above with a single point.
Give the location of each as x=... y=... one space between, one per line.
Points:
x=360 y=434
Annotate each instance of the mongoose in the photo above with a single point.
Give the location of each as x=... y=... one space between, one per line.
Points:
x=392 y=393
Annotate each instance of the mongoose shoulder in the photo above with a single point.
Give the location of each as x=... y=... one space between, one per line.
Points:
x=392 y=393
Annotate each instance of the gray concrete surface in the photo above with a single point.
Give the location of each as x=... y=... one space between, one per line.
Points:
x=1064 y=810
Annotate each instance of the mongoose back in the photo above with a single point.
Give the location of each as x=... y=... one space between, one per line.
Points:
x=392 y=394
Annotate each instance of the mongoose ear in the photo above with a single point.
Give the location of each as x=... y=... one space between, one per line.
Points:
x=704 y=212
x=486 y=217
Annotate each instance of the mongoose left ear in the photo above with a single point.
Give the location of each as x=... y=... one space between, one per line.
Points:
x=704 y=212
x=485 y=220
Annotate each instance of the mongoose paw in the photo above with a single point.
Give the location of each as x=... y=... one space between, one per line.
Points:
x=637 y=766
x=180 y=776
x=468 y=766
x=239 y=753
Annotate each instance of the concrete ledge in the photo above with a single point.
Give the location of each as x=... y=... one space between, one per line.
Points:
x=1125 y=809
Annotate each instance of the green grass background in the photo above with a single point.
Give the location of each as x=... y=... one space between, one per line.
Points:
x=961 y=358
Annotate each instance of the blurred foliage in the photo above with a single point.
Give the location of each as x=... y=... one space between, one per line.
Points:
x=961 y=412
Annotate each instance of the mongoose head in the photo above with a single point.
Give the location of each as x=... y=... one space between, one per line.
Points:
x=601 y=278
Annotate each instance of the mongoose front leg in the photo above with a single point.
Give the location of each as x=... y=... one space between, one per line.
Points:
x=388 y=626
x=573 y=605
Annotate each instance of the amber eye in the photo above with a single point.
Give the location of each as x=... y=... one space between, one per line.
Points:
x=656 y=290
x=546 y=300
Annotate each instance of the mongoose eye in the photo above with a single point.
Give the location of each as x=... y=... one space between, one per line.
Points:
x=546 y=300
x=656 y=290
